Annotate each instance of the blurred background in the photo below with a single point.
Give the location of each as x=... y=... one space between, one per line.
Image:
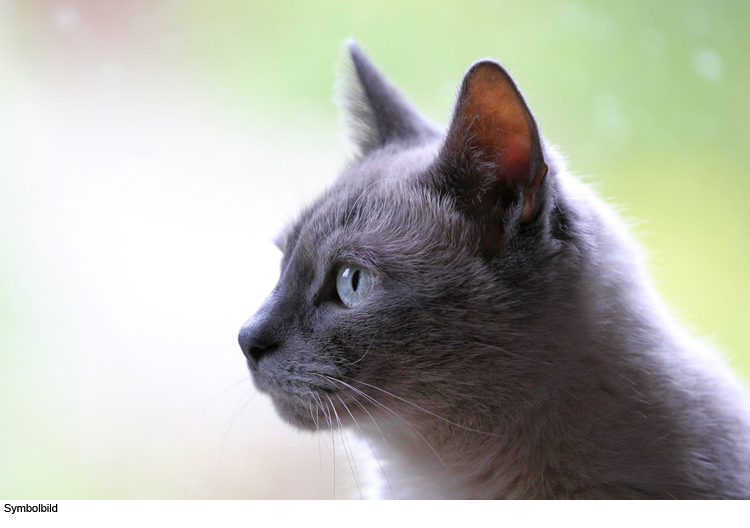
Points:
x=150 y=150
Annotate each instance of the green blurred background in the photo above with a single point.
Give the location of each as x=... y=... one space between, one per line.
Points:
x=150 y=149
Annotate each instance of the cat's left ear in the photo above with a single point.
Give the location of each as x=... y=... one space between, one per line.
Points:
x=492 y=160
x=375 y=111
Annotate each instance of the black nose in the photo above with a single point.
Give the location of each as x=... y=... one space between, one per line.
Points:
x=254 y=346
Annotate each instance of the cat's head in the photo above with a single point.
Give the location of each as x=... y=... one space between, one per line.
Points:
x=412 y=286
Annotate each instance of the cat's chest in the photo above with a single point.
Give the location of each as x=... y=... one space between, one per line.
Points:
x=421 y=472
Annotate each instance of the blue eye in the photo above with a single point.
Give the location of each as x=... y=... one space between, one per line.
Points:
x=353 y=283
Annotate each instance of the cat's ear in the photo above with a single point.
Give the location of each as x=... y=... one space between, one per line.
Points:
x=492 y=160
x=375 y=112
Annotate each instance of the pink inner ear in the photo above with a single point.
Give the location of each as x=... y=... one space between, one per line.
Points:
x=497 y=121
x=492 y=124
x=515 y=159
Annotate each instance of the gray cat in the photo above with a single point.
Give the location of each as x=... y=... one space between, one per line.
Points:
x=485 y=321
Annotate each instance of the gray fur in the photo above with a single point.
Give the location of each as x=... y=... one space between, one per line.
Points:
x=547 y=368
x=375 y=112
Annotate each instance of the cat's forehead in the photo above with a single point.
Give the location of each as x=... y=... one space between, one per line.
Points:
x=377 y=184
x=389 y=167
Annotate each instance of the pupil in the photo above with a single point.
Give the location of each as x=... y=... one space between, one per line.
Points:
x=355 y=280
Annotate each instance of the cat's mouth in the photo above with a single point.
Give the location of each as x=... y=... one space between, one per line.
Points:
x=317 y=412
x=304 y=405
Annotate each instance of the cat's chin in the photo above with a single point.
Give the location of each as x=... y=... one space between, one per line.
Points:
x=290 y=408
x=296 y=413
x=302 y=411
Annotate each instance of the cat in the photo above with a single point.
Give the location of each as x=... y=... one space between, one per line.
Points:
x=486 y=322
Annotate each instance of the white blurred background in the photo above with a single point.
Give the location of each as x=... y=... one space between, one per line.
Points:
x=136 y=233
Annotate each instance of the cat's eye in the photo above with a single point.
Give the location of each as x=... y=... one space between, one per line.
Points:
x=353 y=283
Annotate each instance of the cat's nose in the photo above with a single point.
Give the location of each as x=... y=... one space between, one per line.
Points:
x=254 y=345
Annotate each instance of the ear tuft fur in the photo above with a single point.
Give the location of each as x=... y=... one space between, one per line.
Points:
x=375 y=112
x=357 y=114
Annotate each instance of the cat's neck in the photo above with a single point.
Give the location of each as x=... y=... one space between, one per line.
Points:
x=601 y=410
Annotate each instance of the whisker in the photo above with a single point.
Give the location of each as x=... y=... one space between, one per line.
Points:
x=360 y=404
x=320 y=455
x=368 y=440
x=245 y=379
x=351 y=211
x=328 y=421
x=514 y=354
x=371 y=418
x=394 y=413
x=333 y=444
x=425 y=410
x=368 y=348
x=344 y=444
x=224 y=440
